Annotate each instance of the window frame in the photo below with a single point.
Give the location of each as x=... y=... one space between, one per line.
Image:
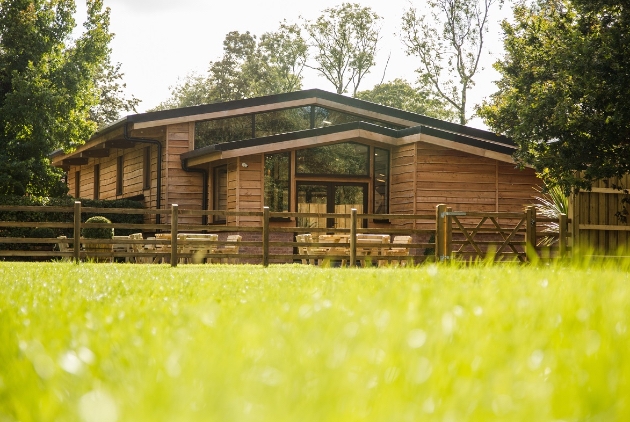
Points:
x=219 y=219
x=97 y=180
x=387 y=183
x=146 y=168
x=77 y=184
x=120 y=164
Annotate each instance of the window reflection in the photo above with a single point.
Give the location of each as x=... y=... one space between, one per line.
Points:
x=346 y=158
x=277 y=182
x=381 y=181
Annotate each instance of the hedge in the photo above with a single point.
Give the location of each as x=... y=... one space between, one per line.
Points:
x=60 y=217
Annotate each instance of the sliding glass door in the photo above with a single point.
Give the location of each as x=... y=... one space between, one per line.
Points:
x=328 y=198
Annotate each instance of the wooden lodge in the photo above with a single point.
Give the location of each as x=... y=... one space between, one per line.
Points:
x=306 y=151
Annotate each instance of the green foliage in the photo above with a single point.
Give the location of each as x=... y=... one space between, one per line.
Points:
x=564 y=88
x=400 y=94
x=60 y=217
x=42 y=233
x=49 y=85
x=98 y=232
x=248 y=68
x=345 y=39
x=226 y=343
x=449 y=43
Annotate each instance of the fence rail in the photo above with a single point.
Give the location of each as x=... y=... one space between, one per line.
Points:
x=456 y=235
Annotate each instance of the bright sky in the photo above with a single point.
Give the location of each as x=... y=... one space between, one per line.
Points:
x=159 y=41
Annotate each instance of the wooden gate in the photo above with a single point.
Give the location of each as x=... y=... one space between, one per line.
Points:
x=504 y=235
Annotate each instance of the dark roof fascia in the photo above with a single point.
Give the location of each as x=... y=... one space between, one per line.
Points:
x=309 y=133
x=318 y=93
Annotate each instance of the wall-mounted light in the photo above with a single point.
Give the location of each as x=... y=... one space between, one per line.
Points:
x=245 y=165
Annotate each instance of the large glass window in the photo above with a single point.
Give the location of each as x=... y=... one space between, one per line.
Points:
x=277 y=170
x=220 y=192
x=283 y=121
x=229 y=129
x=326 y=117
x=381 y=181
x=347 y=158
x=219 y=131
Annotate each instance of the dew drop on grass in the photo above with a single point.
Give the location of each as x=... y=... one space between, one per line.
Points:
x=86 y=355
x=421 y=371
x=70 y=363
x=432 y=270
x=544 y=283
x=428 y=406
x=582 y=314
x=502 y=405
x=478 y=310
x=448 y=323
x=476 y=363
x=391 y=374
x=173 y=368
x=351 y=329
x=271 y=376
x=305 y=311
x=535 y=359
x=416 y=338
x=593 y=341
x=621 y=328
x=98 y=406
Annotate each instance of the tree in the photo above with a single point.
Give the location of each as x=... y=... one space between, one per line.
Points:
x=564 y=89
x=449 y=44
x=47 y=88
x=400 y=94
x=112 y=100
x=248 y=68
x=345 y=39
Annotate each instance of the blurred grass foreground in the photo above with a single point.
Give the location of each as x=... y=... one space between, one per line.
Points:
x=115 y=342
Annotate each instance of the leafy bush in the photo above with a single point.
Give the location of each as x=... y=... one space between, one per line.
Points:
x=42 y=233
x=60 y=217
x=98 y=232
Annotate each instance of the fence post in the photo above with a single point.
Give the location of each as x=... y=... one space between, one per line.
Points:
x=77 y=231
x=353 y=237
x=448 y=243
x=265 y=237
x=174 y=222
x=530 y=233
x=562 y=232
x=440 y=232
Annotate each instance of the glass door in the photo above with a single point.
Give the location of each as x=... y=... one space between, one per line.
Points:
x=329 y=197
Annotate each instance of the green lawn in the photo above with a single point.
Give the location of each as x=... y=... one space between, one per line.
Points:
x=114 y=342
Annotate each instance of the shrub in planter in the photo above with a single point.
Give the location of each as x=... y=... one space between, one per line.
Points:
x=98 y=233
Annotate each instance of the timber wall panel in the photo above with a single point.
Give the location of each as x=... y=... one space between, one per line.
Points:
x=466 y=182
x=184 y=188
x=251 y=188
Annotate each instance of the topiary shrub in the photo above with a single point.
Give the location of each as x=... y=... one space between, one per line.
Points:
x=98 y=233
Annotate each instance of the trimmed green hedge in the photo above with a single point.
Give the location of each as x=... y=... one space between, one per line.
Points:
x=60 y=217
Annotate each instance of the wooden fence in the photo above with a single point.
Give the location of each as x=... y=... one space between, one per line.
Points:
x=599 y=221
x=469 y=235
